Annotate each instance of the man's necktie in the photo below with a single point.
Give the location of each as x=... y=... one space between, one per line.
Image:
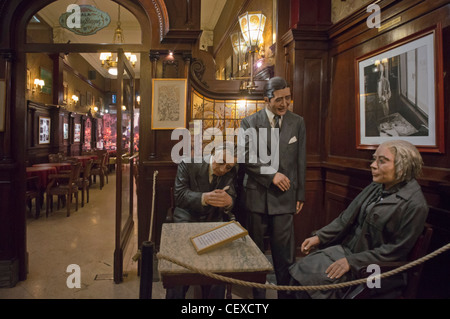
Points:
x=276 y=120
x=214 y=182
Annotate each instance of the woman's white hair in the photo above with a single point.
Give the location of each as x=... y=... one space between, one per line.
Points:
x=407 y=159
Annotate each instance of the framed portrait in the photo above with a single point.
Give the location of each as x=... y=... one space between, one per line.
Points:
x=28 y=80
x=65 y=131
x=44 y=130
x=398 y=95
x=168 y=104
x=77 y=132
x=65 y=92
x=46 y=75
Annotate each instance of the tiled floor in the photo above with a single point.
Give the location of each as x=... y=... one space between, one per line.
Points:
x=86 y=238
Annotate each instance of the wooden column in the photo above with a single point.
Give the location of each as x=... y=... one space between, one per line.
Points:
x=306 y=70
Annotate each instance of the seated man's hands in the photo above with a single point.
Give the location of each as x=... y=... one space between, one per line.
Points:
x=218 y=198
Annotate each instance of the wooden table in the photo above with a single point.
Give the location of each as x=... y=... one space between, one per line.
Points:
x=83 y=159
x=43 y=172
x=240 y=259
x=58 y=166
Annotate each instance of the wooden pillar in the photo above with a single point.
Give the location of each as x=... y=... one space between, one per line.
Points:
x=306 y=70
x=154 y=57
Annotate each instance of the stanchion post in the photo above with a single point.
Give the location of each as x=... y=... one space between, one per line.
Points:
x=146 y=284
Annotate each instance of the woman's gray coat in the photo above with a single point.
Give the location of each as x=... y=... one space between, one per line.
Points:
x=386 y=233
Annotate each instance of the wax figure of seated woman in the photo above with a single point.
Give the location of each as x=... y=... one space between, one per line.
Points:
x=380 y=225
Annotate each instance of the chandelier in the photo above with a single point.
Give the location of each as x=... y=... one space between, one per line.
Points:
x=109 y=60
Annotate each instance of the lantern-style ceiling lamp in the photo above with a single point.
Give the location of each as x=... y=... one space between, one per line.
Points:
x=252 y=28
x=238 y=43
x=107 y=59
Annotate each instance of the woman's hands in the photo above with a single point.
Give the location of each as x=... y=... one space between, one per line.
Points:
x=336 y=269
x=309 y=243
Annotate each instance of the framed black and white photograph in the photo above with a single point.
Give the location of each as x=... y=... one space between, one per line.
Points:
x=77 y=132
x=398 y=93
x=168 y=103
x=44 y=130
x=66 y=131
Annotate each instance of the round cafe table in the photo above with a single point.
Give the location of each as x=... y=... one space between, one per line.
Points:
x=85 y=158
x=42 y=172
x=59 y=166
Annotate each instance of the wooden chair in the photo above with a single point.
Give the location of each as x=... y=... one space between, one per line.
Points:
x=170 y=210
x=98 y=169
x=53 y=158
x=63 y=185
x=84 y=182
x=33 y=192
x=413 y=274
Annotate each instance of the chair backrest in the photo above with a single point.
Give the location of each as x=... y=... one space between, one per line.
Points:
x=418 y=251
x=87 y=169
x=75 y=173
x=53 y=158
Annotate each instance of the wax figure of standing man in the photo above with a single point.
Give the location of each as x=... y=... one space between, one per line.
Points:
x=274 y=191
x=381 y=224
x=205 y=192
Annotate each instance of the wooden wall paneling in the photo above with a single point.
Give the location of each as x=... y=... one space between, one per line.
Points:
x=165 y=179
x=38 y=153
x=307 y=73
x=310 y=218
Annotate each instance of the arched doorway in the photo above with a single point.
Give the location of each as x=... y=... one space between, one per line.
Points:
x=146 y=14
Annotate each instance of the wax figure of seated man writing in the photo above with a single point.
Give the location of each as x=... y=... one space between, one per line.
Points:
x=381 y=224
x=205 y=192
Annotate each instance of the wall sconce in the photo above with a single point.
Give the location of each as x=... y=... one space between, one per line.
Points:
x=74 y=99
x=38 y=82
x=252 y=28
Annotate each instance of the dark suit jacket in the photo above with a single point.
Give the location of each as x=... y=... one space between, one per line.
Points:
x=261 y=194
x=191 y=181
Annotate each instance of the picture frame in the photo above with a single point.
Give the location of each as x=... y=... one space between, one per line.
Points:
x=77 y=133
x=65 y=92
x=44 y=130
x=65 y=131
x=399 y=93
x=47 y=76
x=168 y=104
x=28 y=80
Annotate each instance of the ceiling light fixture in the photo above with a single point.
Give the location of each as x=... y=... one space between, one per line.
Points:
x=109 y=60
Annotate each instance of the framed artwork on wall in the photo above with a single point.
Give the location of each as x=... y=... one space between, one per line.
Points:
x=400 y=93
x=46 y=75
x=44 y=130
x=168 y=104
x=65 y=131
x=77 y=132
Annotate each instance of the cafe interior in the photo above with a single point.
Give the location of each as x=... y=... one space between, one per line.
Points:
x=86 y=124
